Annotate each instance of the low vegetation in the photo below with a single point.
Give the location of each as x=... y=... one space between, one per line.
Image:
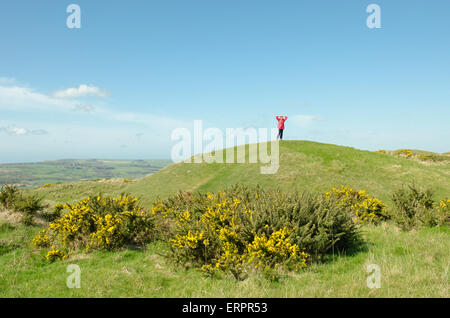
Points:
x=29 y=205
x=415 y=207
x=364 y=208
x=242 y=229
x=96 y=223
x=421 y=156
x=239 y=230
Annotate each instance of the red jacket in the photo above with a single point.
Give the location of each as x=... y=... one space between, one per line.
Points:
x=281 y=121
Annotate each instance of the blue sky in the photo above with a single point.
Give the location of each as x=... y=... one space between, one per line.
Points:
x=136 y=70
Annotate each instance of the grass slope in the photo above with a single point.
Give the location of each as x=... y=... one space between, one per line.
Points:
x=304 y=165
x=412 y=264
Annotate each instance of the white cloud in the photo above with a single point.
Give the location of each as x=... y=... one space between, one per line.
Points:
x=83 y=90
x=24 y=99
x=17 y=131
x=84 y=108
x=304 y=120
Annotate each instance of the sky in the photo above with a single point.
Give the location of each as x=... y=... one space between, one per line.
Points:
x=136 y=70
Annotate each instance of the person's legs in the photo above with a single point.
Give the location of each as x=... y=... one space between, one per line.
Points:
x=280 y=134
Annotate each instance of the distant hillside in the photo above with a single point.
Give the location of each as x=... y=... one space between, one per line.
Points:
x=41 y=173
x=304 y=165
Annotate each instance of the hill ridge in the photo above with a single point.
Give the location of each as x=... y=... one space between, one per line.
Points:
x=304 y=165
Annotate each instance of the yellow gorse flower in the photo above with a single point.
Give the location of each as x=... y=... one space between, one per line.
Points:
x=93 y=223
x=55 y=254
x=190 y=240
x=364 y=207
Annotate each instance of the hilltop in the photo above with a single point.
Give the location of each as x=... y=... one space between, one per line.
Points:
x=304 y=165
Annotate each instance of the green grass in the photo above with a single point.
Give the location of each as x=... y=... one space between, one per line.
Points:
x=412 y=264
x=304 y=165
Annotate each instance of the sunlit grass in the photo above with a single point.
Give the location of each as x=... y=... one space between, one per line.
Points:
x=412 y=264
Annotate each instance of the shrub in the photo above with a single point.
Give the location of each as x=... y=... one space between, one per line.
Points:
x=267 y=253
x=406 y=153
x=8 y=195
x=54 y=214
x=414 y=207
x=29 y=205
x=443 y=213
x=16 y=200
x=431 y=157
x=102 y=223
x=364 y=208
x=243 y=229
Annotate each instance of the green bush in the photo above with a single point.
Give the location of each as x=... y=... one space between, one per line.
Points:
x=8 y=194
x=415 y=207
x=364 y=208
x=53 y=214
x=29 y=206
x=406 y=153
x=442 y=213
x=243 y=229
x=98 y=223
x=16 y=200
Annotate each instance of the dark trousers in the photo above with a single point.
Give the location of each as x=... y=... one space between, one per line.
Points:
x=280 y=134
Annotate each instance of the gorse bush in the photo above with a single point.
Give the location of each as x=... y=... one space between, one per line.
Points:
x=16 y=200
x=29 y=205
x=411 y=205
x=405 y=153
x=243 y=229
x=364 y=208
x=236 y=231
x=415 y=207
x=433 y=157
x=443 y=213
x=55 y=213
x=8 y=195
x=98 y=223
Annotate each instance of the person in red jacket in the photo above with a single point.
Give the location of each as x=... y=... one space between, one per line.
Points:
x=281 y=120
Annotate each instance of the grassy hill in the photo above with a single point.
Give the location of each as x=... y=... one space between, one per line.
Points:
x=304 y=165
x=412 y=264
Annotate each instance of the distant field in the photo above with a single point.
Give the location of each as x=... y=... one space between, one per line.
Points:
x=41 y=173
